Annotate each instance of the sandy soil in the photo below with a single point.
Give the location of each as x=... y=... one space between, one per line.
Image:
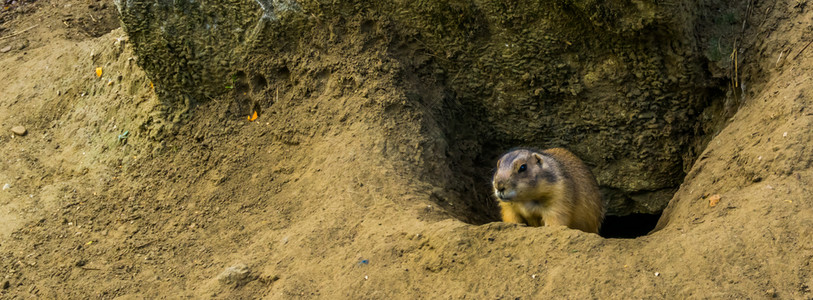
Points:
x=327 y=195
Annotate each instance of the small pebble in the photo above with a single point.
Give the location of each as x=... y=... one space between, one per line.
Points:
x=657 y=274
x=18 y=130
x=81 y=263
x=6 y=186
x=5 y=49
x=713 y=200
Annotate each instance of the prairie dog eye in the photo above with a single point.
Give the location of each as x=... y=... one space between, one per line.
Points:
x=522 y=168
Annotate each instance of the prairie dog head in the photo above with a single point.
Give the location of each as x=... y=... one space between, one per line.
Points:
x=523 y=175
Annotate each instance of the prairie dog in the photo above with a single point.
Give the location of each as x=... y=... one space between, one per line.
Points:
x=546 y=188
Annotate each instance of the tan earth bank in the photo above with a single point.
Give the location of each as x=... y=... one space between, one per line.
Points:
x=332 y=195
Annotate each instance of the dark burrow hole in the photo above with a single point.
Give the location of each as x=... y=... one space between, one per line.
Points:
x=475 y=149
x=469 y=196
x=629 y=226
x=239 y=87
x=258 y=83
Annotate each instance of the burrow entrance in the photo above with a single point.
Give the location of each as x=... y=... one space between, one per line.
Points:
x=629 y=226
x=473 y=182
x=474 y=151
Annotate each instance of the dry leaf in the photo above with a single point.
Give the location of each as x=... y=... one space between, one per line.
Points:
x=98 y=72
x=253 y=117
x=714 y=199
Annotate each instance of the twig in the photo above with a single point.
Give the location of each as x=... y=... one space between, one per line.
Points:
x=7 y=24
x=803 y=49
x=747 y=13
x=734 y=77
x=18 y=33
x=766 y=14
x=780 y=58
x=144 y=244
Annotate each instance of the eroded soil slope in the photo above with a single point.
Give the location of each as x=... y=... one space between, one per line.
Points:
x=332 y=194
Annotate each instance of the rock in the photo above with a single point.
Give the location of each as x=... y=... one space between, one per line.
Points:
x=81 y=263
x=587 y=105
x=237 y=275
x=5 y=49
x=18 y=130
x=6 y=186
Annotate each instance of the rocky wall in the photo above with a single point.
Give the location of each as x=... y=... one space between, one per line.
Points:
x=617 y=82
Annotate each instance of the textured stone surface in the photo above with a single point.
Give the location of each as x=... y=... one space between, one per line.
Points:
x=617 y=83
x=19 y=130
x=238 y=274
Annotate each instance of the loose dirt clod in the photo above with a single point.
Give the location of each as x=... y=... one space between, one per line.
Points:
x=237 y=275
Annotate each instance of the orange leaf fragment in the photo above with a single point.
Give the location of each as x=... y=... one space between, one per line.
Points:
x=253 y=117
x=714 y=199
x=99 y=72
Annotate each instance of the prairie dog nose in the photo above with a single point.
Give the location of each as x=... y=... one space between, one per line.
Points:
x=499 y=186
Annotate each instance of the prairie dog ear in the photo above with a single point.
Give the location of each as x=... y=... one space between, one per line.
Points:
x=539 y=159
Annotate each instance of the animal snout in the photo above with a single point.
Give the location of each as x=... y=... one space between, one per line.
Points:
x=499 y=190
x=502 y=192
x=499 y=185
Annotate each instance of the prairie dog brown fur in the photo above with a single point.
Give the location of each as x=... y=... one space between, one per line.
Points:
x=546 y=188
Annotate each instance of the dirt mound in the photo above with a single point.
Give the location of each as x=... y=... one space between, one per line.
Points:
x=343 y=186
